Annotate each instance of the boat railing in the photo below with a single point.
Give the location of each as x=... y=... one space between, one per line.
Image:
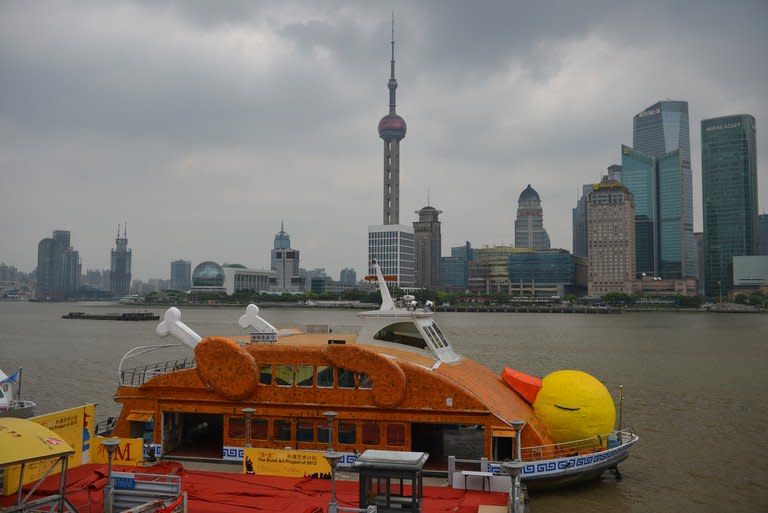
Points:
x=137 y=376
x=577 y=447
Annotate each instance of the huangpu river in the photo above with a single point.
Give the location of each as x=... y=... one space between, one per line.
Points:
x=694 y=385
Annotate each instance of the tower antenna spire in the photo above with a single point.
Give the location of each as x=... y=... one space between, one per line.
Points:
x=392 y=74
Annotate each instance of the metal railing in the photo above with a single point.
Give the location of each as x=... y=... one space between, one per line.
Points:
x=133 y=490
x=577 y=447
x=137 y=376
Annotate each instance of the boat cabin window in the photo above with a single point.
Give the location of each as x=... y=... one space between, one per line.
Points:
x=405 y=333
x=265 y=374
x=322 y=433
x=366 y=383
x=236 y=427
x=346 y=378
x=324 y=376
x=305 y=430
x=282 y=430
x=396 y=434
x=305 y=375
x=440 y=334
x=346 y=433
x=371 y=433
x=284 y=375
x=259 y=429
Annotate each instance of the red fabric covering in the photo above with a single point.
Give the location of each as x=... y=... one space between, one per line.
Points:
x=224 y=492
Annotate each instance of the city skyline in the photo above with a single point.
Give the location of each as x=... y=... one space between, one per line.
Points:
x=246 y=115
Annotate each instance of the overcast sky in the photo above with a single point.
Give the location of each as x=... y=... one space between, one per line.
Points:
x=204 y=124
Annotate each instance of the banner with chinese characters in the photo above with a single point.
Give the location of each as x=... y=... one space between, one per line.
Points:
x=75 y=426
x=288 y=463
x=128 y=452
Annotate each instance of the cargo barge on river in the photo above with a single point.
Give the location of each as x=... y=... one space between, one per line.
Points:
x=126 y=316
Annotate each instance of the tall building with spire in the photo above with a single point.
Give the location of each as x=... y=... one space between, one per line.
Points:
x=529 y=225
x=428 y=241
x=392 y=243
x=120 y=269
x=282 y=241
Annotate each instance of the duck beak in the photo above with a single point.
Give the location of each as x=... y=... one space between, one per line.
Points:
x=525 y=385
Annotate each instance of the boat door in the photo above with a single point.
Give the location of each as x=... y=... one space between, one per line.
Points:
x=171 y=431
x=503 y=444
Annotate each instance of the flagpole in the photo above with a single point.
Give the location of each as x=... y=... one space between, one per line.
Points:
x=18 y=389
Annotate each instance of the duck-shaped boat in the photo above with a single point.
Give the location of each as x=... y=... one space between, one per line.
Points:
x=398 y=384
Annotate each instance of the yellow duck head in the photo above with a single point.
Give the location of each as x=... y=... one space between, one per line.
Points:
x=572 y=404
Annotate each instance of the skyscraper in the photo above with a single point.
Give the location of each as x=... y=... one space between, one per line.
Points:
x=611 y=239
x=181 y=275
x=729 y=186
x=50 y=269
x=762 y=234
x=58 y=267
x=427 y=238
x=529 y=225
x=579 y=223
x=391 y=243
x=282 y=241
x=120 y=269
x=661 y=136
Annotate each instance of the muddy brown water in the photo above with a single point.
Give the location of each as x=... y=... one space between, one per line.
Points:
x=694 y=385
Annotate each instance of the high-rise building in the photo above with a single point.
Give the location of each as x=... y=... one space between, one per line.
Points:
x=50 y=269
x=392 y=130
x=699 y=262
x=762 y=234
x=282 y=241
x=661 y=191
x=661 y=134
x=611 y=261
x=120 y=268
x=286 y=262
x=58 y=267
x=394 y=248
x=729 y=186
x=662 y=128
x=529 y=225
x=426 y=234
x=348 y=277
x=181 y=275
x=579 y=223
x=614 y=172
x=391 y=243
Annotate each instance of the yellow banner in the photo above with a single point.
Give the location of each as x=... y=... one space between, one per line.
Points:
x=128 y=452
x=279 y=462
x=75 y=426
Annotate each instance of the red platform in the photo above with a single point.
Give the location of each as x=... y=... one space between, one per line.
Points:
x=224 y=492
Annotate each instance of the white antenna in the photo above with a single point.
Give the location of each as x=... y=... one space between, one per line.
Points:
x=172 y=325
x=386 y=298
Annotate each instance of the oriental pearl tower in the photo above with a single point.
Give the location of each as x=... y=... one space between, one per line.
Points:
x=392 y=130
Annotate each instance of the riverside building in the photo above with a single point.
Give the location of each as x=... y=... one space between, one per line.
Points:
x=611 y=260
x=729 y=186
x=120 y=268
x=427 y=240
x=181 y=275
x=529 y=225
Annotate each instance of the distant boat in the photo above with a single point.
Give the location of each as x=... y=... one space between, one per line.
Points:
x=133 y=299
x=11 y=404
x=129 y=316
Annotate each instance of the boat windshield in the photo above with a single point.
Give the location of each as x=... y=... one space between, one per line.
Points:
x=405 y=333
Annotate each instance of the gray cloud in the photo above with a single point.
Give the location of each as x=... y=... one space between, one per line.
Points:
x=204 y=124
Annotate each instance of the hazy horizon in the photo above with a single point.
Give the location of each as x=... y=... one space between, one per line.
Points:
x=204 y=125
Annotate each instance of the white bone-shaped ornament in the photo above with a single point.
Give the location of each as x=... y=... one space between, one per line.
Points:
x=252 y=319
x=172 y=325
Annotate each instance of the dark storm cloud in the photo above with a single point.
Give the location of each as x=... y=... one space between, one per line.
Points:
x=215 y=120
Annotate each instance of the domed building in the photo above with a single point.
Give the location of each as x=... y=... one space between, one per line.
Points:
x=208 y=277
x=529 y=225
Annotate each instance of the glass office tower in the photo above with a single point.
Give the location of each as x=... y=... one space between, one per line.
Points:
x=662 y=128
x=729 y=186
x=638 y=177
